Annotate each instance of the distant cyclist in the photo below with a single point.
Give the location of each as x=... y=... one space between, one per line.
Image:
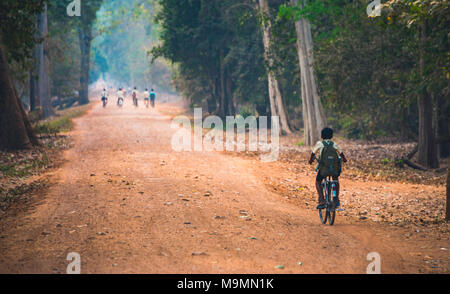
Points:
x=104 y=97
x=329 y=164
x=153 y=97
x=120 y=95
x=134 y=94
x=146 y=97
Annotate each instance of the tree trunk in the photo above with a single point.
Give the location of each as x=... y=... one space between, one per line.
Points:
x=85 y=35
x=15 y=129
x=223 y=106
x=43 y=65
x=34 y=95
x=313 y=114
x=447 y=213
x=276 y=100
x=229 y=92
x=34 y=99
x=212 y=100
x=427 y=145
x=442 y=126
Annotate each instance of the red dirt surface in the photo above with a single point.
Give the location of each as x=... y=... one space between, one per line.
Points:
x=127 y=203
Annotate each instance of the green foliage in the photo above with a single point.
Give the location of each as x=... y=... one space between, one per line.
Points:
x=126 y=33
x=246 y=111
x=385 y=161
x=17 y=26
x=54 y=127
x=203 y=37
x=23 y=168
x=368 y=68
x=62 y=123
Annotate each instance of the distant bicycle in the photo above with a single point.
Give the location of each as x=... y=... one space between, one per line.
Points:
x=120 y=102
x=120 y=95
x=135 y=101
x=104 y=97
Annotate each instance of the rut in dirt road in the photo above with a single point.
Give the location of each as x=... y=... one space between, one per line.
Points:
x=127 y=203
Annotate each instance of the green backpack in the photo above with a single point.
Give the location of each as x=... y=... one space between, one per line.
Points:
x=330 y=162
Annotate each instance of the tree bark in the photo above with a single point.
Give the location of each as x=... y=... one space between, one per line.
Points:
x=276 y=100
x=427 y=145
x=15 y=129
x=313 y=114
x=447 y=211
x=223 y=106
x=34 y=95
x=34 y=102
x=43 y=65
x=442 y=126
x=85 y=36
x=229 y=92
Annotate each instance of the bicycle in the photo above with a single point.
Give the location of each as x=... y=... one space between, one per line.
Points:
x=120 y=102
x=135 y=101
x=329 y=212
x=329 y=188
x=105 y=101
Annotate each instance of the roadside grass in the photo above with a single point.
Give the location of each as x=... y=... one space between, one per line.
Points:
x=22 y=164
x=20 y=171
x=62 y=123
x=25 y=167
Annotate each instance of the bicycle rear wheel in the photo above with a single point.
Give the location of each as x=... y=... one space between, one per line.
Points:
x=332 y=208
x=332 y=214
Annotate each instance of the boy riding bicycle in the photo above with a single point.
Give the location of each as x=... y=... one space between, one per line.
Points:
x=134 y=95
x=152 y=97
x=330 y=155
x=104 y=97
x=146 y=97
x=120 y=95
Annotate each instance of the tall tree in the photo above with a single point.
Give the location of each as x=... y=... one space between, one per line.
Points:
x=40 y=87
x=89 y=10
x=15 y=129
x=447 y=211
x=203 y=31
x=428 y=18
x=313 y=115
x=427 y=143
x=17 y=32
x=277 y=106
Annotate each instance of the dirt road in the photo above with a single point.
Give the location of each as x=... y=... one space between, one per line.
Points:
x=127 y=203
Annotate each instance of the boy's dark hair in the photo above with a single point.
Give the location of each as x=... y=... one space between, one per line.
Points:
x=327 y=133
